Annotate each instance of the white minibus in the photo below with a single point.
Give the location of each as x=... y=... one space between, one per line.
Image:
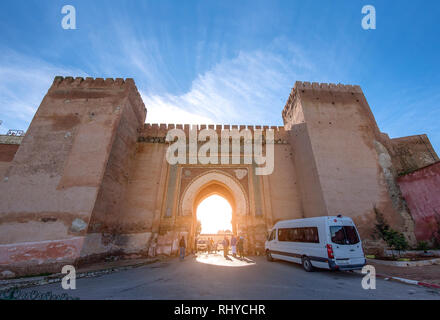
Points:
x=330 y=242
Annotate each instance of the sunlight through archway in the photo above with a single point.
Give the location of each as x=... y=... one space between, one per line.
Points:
x=214 y=213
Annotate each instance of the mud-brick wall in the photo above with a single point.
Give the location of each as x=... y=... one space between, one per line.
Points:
x=107 y=216
x=111 y=230
x=48 y=193
x=412 y=153
x=421 y=190
x=7 y=152
x=336 y=136
x=284 y=193
x=125 y=226
x=8 y=148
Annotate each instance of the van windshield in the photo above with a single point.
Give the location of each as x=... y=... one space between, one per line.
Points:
x=344 y=235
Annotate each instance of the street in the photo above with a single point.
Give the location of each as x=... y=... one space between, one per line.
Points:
x=214 y=277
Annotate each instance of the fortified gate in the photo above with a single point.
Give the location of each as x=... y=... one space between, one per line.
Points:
x=90 y=179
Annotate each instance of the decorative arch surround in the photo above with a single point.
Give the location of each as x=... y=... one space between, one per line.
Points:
x=240 y=201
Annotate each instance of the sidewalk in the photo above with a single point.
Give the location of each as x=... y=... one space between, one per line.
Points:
x=91 y=270
x=426 y=274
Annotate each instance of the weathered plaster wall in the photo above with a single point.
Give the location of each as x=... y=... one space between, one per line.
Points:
x=49 y=191
x=421 y=190
x=108 y=216
x=90 y=179
x=311 y=192
x=284 y=189
x=3 y=168
x=8 y=148
x=39 y=257
x=312 y=200
x=269 y=198
x=141 y=199
x=342 y=156
x=412 y=153
x=7 y=152
x=127 y=226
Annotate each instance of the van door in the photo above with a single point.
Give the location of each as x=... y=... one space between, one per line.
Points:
x=279 y=245
x=272 y=240
x=347 y=247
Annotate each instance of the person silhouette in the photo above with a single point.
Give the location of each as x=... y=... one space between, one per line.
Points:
x=182 y=246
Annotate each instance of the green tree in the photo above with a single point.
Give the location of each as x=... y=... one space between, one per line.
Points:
x=423 y=245
x=394 y=239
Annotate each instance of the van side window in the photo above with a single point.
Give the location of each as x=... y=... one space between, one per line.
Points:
x=297 y=235
x=283 y=234
x=309 y=234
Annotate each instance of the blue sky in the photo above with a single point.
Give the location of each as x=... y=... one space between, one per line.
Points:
x=230 y=62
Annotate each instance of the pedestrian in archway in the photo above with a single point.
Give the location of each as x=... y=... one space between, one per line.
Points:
x=234 y=246
x=241 y=247
x=212 y=244
x=209 y=245
x=225 y=247
x=195 y=245
x=182 y=246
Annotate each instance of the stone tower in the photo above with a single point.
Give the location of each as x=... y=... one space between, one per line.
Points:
x=338 y=152
x=72 y=164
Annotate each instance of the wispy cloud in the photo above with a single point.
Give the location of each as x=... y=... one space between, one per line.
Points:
x=250 y=88
x=25 y=81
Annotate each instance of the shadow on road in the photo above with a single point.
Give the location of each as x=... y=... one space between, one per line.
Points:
x=219 y=260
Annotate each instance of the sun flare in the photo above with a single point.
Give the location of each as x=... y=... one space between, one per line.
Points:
x=215 y=213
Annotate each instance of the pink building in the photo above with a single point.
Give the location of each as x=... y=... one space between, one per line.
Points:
x=421 y=190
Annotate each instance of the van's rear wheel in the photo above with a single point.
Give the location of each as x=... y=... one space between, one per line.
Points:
x=307 y=264
x=268 y=256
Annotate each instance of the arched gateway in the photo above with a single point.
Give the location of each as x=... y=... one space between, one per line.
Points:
x=215 y=182
x=91 y=179
x=190 y=185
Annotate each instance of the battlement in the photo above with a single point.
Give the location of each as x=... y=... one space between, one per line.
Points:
x=318 y=90
x=299 y=85
x=169 y=126
x=155 y=132
x=89 y=82
x=9 y=139
x=69 y=88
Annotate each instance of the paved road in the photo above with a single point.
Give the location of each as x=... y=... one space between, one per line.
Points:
x=213 y=277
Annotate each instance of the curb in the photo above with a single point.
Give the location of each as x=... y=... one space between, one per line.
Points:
x=57 y=277
x=408 y=281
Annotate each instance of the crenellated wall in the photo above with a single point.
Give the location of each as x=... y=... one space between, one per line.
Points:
x=340 y=158
x=50 y=190
x=412 y=153
x=8 y=148
x=153 y=132
x=90 y=179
